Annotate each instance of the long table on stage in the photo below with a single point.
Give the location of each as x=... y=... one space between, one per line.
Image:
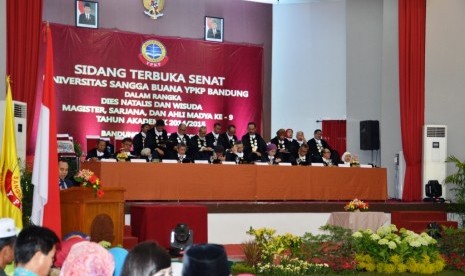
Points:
x=157 y=181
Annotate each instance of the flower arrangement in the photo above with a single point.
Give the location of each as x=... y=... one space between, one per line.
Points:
x=122 y=156
x=356 y=205
x=392 y=251
x=87 y=178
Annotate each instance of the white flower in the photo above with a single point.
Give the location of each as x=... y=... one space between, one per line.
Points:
x=383 y=241
x=369 y=231
x=357 y=235
x=392 y=245
x=374 y=237
x=414 y=243
x=393 y=228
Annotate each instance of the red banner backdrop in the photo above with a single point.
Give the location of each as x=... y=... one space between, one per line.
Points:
x=109 y=82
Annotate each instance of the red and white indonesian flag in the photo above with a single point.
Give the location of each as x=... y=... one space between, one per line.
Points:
x=46 y=199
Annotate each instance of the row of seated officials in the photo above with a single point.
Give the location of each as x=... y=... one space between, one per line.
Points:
x=216 y=146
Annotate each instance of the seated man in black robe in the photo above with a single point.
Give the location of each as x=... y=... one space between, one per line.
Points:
x=139 y=140
x=254 y=145
x=99 y=152
x=181 y=154
x=198 y=148
x=157 y=139
x=282 y=144
x=317 y=144
x=236 y=154
x=303 y=157
x=228 y=138
x=179 y=137
x=213 y=137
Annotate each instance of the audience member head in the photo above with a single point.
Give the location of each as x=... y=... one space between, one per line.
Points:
x=144 y=128
x=119 y=256
x=101 y=145
x=147 y=258
x=63 y=168
x=35 y=249
x=231 y=130
x=182 y=129
x=217 y=128
x=202 y=131
x=317 y=134
x=205 y=260
x=281 y=134
x=7 y=241
x=160 y=125
x=182 y=149
x=64 y=248
x=303 y=150
x=271 y=149
x=346 y=157
x=289 y=133
x=126 y=144
x=300 y=136
x=88 y=258
x=251 y=128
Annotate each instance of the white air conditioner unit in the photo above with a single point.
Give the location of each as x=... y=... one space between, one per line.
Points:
x=434 y=155
x=20 y=114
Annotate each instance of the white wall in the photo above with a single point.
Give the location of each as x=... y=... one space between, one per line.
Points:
x=308 y=65
x=2 y=48
x=445 y=71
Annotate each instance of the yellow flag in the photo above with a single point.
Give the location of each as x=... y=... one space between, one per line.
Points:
x=10 y=187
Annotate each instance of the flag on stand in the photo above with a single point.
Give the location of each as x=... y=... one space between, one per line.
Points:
x=10 y=184
x=46 y=198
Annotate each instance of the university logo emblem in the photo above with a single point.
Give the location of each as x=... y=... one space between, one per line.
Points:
x=153 y=8
x=153 y=53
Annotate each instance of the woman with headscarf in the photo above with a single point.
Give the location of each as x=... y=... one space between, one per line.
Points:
x=346 y=158
x=88 y=258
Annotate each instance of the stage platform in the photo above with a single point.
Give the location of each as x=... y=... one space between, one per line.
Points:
x=237 y=207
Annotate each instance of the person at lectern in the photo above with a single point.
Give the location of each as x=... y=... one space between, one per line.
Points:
x=228 y=138
x=140 y=139
x=254 y=145
x=198 y=147
x=63 y=168
x=157 y=139
x=99 y=152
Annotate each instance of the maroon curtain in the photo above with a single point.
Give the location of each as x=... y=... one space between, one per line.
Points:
x=334 y=132
x=24 y=25
x=412 y=21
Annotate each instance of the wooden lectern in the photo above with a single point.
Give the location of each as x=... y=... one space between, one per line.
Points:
x=101 y=218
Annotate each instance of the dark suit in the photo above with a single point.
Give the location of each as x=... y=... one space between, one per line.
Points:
x=234 y=158
x=266 y=159
x=139 y=143
x=225 y=142
x=175 y=156
x=261 y=145
x=66 y=183
x=83 y=19
x=314 y=148
x=194 y=149
x=298 y=161
x=212 y=142
x=154 y=141
x=93 y=153
x=217 y=35
x=174 y=140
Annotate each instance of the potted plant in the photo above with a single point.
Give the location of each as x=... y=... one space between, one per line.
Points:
x=458 y=180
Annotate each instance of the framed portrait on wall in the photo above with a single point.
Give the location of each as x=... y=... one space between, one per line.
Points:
x=87 y=14
x=214 y=29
